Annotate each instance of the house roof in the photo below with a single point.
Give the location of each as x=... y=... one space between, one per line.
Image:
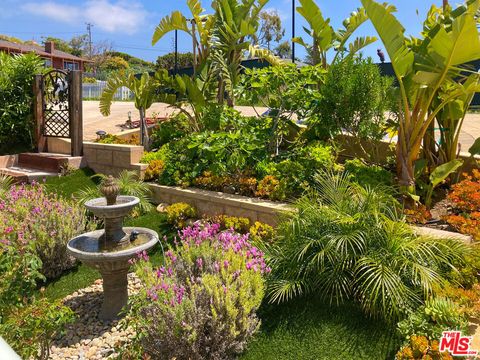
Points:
x=39 y=50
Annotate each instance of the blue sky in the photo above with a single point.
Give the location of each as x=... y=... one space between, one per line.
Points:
x=128 y=24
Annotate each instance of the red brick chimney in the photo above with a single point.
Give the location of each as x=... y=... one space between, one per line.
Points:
x=50 y=47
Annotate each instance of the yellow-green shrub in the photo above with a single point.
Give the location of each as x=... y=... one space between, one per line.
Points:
x=179 y=213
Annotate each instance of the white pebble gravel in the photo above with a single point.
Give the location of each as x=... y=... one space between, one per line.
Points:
x=89 y=337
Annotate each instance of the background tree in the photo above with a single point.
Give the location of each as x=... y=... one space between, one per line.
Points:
x=167 y=61
x=115 y=63
x=284 y=50
x=100 y=54
x=78 y=44
x=60 y=44
x=137 y=65
x=271 y=29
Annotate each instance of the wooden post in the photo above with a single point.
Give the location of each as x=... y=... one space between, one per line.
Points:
x=76 y=112
x=41 y=141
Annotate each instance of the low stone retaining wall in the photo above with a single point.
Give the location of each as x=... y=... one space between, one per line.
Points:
x=111 y=159
x=7 y=161
x=108 y=159
x=217 y=203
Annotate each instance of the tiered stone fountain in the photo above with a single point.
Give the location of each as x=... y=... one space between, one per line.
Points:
x=110 y=250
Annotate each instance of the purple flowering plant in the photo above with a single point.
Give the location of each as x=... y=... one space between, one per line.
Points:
x=33 y=220
x=202 y=302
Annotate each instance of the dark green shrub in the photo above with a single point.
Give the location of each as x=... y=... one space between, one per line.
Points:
x=368 y=174
x=173 y=129
x=16 y=101
x=431 y=319
x=354 y=98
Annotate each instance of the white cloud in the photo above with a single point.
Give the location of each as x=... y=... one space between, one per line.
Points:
x=110 y=16
x=52 y=10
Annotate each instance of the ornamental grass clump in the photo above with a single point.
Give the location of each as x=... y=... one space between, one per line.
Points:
x=43 y=222
x=202 y=303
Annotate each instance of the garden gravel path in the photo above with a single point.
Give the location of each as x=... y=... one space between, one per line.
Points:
x=88 y=337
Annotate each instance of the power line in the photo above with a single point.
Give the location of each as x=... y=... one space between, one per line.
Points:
x=144 y=49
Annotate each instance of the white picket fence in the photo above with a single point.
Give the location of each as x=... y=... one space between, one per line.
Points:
x=94 y=91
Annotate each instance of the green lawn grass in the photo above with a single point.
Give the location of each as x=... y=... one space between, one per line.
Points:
x=66 y=186
x=301 y=329
x=307 y=329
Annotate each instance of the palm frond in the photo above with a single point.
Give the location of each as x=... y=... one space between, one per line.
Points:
x=129 y=184
x=6 y=183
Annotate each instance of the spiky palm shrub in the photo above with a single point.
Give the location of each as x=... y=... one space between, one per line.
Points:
x=347 y=242
x=5 y=183
x=129 y=184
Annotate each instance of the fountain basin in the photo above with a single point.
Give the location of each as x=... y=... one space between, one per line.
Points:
x=122 y=208
x=112 y=261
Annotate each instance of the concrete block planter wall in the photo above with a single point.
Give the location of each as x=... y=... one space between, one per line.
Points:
x=108 y=159
x=111 y=159
x=216 y=203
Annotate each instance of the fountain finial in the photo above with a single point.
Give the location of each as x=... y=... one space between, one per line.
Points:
x=110 y=190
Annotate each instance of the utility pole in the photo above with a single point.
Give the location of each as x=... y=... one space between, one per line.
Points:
x=89 y=30
x=176 y=51
x=293 y=31
x=194 y=38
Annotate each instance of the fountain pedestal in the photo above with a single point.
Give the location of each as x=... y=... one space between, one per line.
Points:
x=115 y=292
x=110 y=250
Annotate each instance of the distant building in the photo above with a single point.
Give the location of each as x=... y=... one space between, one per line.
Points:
x=52 y=57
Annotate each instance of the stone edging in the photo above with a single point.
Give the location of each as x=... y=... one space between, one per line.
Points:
x=216 y=203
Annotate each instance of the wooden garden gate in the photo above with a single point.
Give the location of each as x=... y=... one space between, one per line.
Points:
x=58 y=109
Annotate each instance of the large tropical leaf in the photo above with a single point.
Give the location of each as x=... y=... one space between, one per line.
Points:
x=443 y=171
x=115 y=82
x=174 y=21
x=459 y=46
x=351 y=24
x=392 y=34
x=321 y=28
x=359 y=43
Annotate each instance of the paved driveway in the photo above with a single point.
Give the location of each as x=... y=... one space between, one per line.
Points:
x=94 y=121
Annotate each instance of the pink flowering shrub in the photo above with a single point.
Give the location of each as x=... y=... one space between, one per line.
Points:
x=33 y=220
x=202 y=304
